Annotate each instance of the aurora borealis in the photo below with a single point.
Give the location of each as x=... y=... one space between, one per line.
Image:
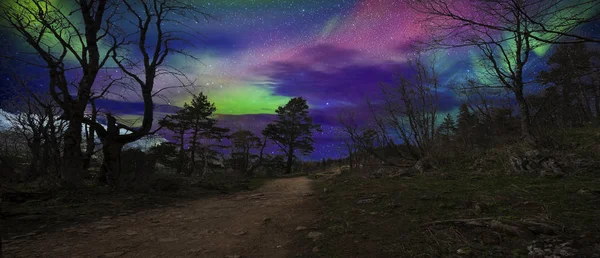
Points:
x=257 y=54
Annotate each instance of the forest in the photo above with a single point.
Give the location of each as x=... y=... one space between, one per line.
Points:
x=112 y=146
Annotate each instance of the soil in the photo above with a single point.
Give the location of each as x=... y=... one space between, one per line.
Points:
x=259 y=223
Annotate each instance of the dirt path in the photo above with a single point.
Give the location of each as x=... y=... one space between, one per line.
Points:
x=260 y=223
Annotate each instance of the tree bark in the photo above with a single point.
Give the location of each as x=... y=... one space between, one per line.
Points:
x=290 y=160
x=525 y=121
x=72 y=158
x=182 y=157
x=33 y=172
x=111 y=163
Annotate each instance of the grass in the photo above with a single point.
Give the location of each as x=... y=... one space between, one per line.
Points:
x=384 y=218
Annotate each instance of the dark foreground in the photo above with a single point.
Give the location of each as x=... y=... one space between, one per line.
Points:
x=258 y=223
x=458 y=216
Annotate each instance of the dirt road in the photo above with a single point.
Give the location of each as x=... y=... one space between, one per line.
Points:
x=260 y=223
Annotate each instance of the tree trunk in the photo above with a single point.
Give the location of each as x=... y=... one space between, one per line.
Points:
x=111 y=163
x=90 y=146
x=72 y=159
x=193 y=153
x=526 y=133
x=205 y=161
x=290 y=161
x=33 y=172
x=182 y=158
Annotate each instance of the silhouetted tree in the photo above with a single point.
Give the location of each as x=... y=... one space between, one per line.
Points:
x=203 y=126
x=243 y=142
x=507 y=33
x=48 y=29
x=447 y=129
x=179 y=124
x=572 y=77
x=151 y=42
x=410 y=107
x=292 y=130
x=466 y=125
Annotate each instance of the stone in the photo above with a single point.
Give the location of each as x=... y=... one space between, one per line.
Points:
x=316 y=249
x=422 y=165
x=239 y=233
x=314 y=235
x=463 y=251
x=130 y=233
x=300 y=228
x=233 y=256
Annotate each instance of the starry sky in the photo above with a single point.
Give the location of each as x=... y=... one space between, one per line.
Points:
x=257 y=54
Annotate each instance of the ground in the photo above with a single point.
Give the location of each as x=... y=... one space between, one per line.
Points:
x=457 y=215
x=258 y=223
x=354 y=214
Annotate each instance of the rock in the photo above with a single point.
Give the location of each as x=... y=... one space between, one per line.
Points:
x=167 y=240
x=113 y=254
x=365 y=201
x=316 y=249
x=463 y=251
x=130 y=233
x=479 y=208
x=239 y=233
x=551 y=168
x=583 y=192
x=300 y=228
x=314 y=235
x=233 y=256
x=422 y=165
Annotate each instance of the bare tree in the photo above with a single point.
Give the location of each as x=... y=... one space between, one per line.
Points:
x=410 y=107
x=154 y=42
x=507 y=33
x=68 y=48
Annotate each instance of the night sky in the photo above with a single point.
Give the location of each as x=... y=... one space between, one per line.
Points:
x=257 y=54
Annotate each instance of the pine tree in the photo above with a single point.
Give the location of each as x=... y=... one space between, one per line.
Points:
x=448 y=128
x=466 y=125
x=292 y=130
x=179 y=125
x=196 y=121
x=243 y=141
x=203 y=126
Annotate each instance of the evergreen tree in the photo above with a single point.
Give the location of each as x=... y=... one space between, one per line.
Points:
x=466 y=125
x=447 y=128
x=203 y=126
x=292 y=130
x=179 y=125
x=243 y=141
x=196 y=123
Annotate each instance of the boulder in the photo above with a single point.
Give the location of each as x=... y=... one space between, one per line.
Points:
x=314 y=235
x=423 y=165
x=532 y=162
